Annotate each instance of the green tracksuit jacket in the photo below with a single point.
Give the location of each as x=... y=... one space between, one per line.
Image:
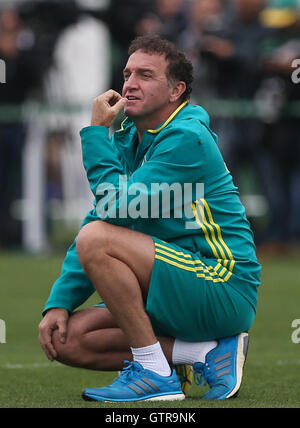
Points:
x=181 y=150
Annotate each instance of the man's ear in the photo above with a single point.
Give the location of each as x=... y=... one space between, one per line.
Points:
x=177 y=90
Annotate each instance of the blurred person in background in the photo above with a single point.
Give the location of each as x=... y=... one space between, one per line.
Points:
x=23 y=76
x=277 y=94
x=206 y=17
x=123 y=19
x=48 y=19
x=73 y=46
x=81 y=68
x=237 y=52
x=131 y=18
x=171 y=18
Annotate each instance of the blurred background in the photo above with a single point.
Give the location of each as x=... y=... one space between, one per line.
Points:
x=55 y=57
x=59 y=55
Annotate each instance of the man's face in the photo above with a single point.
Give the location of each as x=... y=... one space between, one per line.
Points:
x=145 y=85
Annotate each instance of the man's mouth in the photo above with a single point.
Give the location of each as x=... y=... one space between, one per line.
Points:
x=132 y=98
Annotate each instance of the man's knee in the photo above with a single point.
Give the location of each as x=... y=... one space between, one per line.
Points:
x=68 y=353
x=72 y=353
x=92 y=240
x=76 y=352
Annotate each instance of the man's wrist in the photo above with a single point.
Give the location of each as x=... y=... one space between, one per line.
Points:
x=56 y=308
x=97 y=123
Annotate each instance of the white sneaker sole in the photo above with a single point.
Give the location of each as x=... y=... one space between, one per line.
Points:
x=177 y=397
x=243 y=341
x=174 y=397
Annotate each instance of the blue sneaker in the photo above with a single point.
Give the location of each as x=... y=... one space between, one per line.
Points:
x=137 y=384
x=223 y=367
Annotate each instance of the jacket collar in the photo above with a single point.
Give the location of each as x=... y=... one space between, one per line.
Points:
x=126 y=139
x=127 y=123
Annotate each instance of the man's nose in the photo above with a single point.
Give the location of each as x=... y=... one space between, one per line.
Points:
x=131 y=82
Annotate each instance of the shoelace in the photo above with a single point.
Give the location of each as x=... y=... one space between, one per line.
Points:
x=128 y=372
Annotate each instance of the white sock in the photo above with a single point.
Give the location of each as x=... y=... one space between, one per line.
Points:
x=191 y=352
x=152 y=358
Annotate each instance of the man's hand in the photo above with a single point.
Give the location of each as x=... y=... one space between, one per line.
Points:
x=54 y=319
x=106 y=108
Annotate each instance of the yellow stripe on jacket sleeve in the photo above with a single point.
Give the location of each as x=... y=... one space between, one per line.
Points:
x=212 y=231
x=213 y=236
x=206 y=234
x=219 y=233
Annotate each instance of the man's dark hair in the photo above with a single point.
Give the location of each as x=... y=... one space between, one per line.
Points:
x=179 y=68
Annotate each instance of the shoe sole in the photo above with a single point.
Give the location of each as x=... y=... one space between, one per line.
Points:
x=171 y=397
x=243 y=344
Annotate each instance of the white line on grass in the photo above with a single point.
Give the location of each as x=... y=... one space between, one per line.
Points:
x=9 y=366
x=277 y=363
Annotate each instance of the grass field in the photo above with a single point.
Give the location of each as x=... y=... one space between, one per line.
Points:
x=28 y=380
